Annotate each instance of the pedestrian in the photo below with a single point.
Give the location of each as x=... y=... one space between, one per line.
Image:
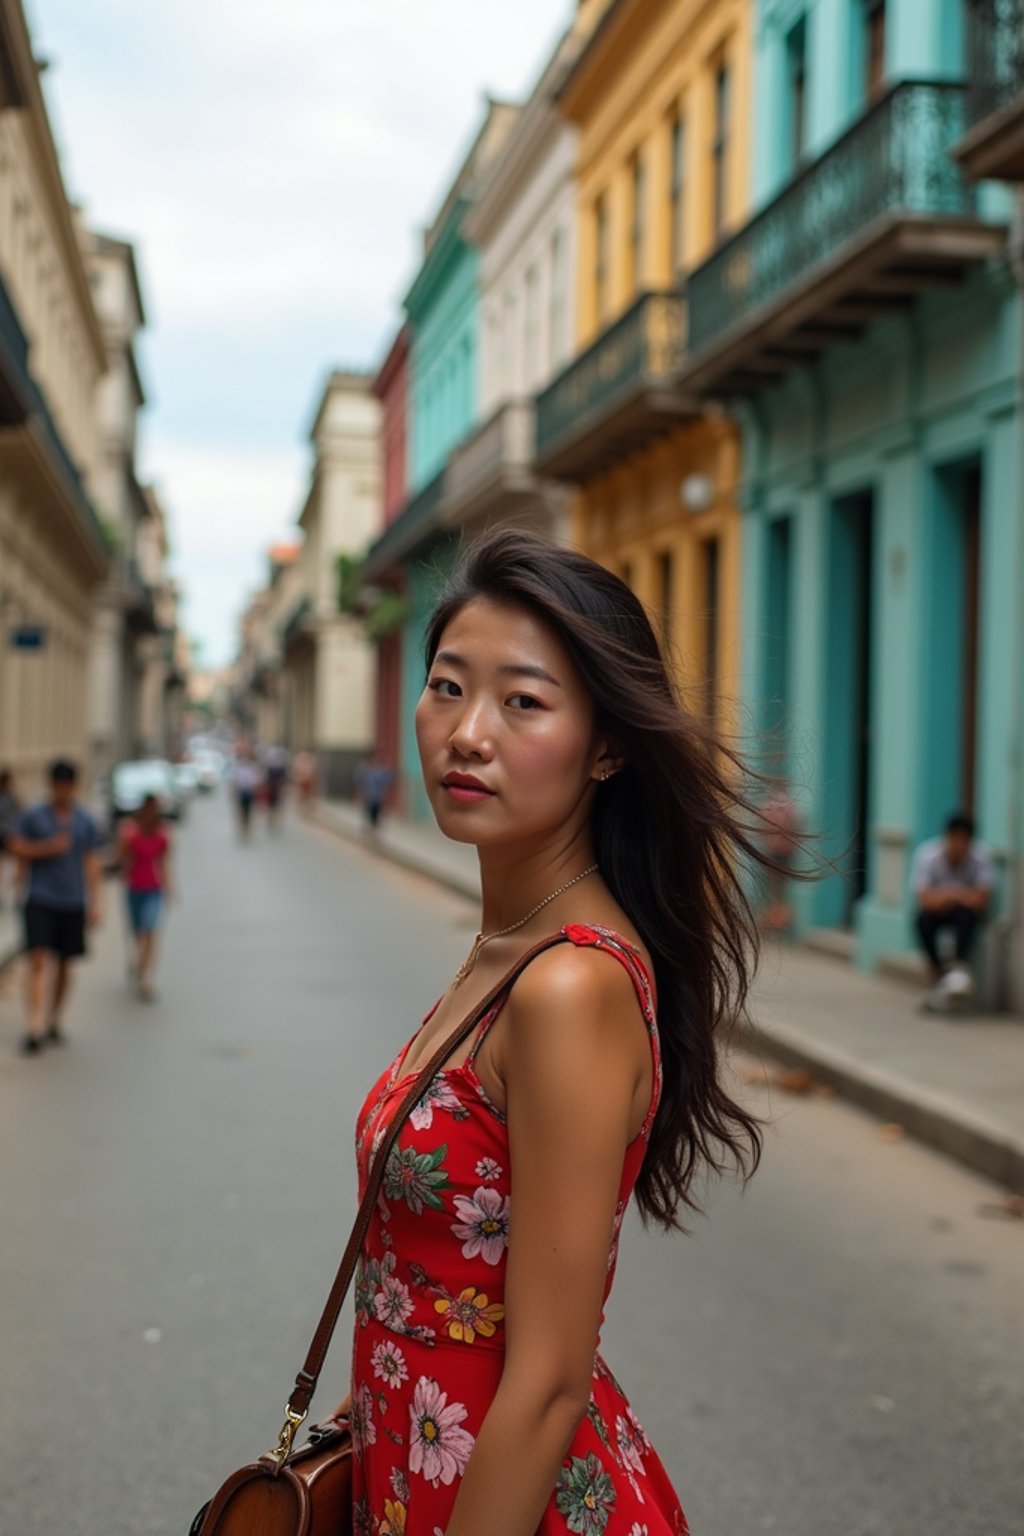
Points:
x=780 y=839
x=247 y=780
x=59 y=843
x=275 y=778
x=10 y=813
x=951 y=880
x=607 y=818
x=304 y=774
x=373 y=780
x=146 y=866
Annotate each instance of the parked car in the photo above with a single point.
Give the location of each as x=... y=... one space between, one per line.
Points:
x=130 y=783
x=186 y=780
x=209 y=767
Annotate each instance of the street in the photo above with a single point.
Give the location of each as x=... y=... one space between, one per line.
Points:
x=838 y=1352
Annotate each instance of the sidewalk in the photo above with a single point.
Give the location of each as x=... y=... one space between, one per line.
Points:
x=10 y=934
x=955 y=1083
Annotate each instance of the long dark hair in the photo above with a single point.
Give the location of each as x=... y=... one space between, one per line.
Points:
x=671 y=833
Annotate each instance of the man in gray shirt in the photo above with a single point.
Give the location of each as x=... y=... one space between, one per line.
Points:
x=952 y=879
x=59 y=843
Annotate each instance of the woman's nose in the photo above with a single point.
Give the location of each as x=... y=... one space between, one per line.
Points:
x=472 y=736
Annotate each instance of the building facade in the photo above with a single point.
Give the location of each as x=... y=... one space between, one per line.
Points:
x=327 y=655
x=658 y=97
x=52 y=550
x=125 y=623
x=385 y=616
x=414 y=553
x=866 y=325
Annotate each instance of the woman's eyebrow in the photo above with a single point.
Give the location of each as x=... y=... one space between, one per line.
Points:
x=509 y=669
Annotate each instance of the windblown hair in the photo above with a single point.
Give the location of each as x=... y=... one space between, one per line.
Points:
x=671 y=833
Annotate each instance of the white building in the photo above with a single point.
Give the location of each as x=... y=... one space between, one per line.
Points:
x=52 y=354
x=124 y=618
x=327 y=658
x=524 y=225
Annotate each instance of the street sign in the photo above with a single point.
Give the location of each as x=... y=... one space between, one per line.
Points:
x=28 y=637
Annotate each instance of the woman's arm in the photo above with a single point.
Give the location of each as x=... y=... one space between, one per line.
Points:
x=571 y=1065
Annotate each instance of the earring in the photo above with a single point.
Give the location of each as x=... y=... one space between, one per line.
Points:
x=605 y=776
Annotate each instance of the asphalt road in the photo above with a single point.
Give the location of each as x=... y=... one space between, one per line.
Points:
x=838 y=1352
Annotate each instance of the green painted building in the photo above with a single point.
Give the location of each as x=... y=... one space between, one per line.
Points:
x=866 y=326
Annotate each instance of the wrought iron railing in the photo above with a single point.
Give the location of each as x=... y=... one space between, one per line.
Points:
x=503 y=443
x=894 y=158
x=419 y=518
x=995 y=56
x=646 y=345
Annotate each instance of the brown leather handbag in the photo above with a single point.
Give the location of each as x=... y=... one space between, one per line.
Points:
x=306 y=1490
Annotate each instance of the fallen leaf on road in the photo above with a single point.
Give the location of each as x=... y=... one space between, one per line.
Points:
x=1010 y=1209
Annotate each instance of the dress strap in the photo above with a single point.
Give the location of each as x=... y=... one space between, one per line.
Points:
x=595 y=938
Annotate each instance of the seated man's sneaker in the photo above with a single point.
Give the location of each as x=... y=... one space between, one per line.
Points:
x=957 y=983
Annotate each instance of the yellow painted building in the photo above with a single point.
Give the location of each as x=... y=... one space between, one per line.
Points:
x=659 y=95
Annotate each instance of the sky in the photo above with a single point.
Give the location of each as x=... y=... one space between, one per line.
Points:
x=273 y=162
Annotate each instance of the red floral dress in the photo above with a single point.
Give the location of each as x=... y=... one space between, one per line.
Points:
x=429 y=1314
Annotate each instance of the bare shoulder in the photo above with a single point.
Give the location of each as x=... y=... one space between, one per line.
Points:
x=589 y=996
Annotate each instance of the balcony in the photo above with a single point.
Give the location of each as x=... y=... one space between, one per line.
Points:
x=15 y=385
x=617 y=395
x=135 y=596
x=882 y=216
x=490 y=474
x=415 y=525
x=993 y=145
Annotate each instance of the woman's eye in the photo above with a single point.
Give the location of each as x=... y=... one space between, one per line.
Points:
x=441 y=685
x=524 y=701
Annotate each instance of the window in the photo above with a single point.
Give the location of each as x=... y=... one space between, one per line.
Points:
x=666 y=575
x=676 y=192
x=796 y=71
x=720 y=150
x=874 y=48
x=710 y=606
x=638 y=232
x=601 y=256
x=531 y=336
x=556 y=340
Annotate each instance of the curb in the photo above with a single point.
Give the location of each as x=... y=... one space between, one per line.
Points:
x=937 y=1122
x=943 y=1124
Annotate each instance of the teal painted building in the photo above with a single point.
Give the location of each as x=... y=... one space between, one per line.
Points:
x=866 y=327
x=415 y=553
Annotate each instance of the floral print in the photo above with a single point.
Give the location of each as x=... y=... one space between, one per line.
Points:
x=469 y=1313
x=389 y=1364
x=483 y=1224
x=416 y=1177
x=430 y=1315
x=438 y=1096
x=585 y=1495
x=440 y=1447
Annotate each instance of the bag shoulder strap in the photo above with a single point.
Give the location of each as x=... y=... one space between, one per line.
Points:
x=305 y=1382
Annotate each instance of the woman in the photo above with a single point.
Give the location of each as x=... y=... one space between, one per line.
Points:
x=550 y=738
x=145 y=864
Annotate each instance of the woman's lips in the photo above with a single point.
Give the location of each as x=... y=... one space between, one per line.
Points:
x=466 y=793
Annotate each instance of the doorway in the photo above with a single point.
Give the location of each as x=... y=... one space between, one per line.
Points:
x=849 y=708
x=950 y=671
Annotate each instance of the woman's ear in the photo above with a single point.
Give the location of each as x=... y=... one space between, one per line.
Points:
x=608 y=762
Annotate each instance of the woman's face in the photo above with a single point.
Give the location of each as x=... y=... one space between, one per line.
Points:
x=506 y=729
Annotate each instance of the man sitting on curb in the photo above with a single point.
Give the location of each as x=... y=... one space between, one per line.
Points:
x=952 y=880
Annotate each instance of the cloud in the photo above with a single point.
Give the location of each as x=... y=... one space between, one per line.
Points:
x=274 y=162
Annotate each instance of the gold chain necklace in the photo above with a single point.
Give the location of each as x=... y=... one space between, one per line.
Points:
x=485 y=938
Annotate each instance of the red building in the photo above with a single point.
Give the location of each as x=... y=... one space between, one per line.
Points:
x=391 y=388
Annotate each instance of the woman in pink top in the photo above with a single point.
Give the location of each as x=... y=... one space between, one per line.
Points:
x=145 y=863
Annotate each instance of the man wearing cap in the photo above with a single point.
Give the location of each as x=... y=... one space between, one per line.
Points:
x=59 y=844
